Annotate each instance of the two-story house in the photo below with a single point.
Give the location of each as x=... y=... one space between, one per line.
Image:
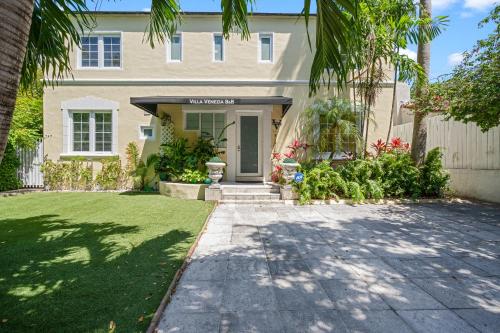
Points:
x=122 y=90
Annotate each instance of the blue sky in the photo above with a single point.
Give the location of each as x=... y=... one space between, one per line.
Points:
x=460 y=35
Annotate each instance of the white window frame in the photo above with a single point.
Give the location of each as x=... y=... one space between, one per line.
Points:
x=259 y=54
x=218 y=34
x=92 y=132
x=169 y=49
x=145 y=137
x=198 y=131
x=100 y=50
x=88 y=104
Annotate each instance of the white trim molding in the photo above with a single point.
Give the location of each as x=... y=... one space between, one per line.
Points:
x=189 y=82
x=88 y=103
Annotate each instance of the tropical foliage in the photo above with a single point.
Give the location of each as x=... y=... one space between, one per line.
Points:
x=389 y=173
x=330 y=125
x=473 y=88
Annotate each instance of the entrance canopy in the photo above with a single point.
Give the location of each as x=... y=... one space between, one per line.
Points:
x=150 y=103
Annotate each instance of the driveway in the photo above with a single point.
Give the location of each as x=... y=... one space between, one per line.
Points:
x=368 y=268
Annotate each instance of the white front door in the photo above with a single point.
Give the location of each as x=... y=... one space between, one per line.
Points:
x=249 y=144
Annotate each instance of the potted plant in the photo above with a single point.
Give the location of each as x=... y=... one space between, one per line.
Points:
x=289 y=166
x=215 y=170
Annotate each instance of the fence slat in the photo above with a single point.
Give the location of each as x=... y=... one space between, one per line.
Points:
x=30 y=172
x=464 y=146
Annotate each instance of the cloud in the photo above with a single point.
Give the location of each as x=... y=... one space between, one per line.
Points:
x=146 y=9
x=441 y=4
x=455 y=59
x=411 y=54
x=479 y=4
x=466 y=14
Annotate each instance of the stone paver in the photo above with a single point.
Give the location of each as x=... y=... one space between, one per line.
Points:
x=368 y=268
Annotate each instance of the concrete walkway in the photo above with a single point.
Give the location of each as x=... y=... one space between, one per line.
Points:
x=370 y=268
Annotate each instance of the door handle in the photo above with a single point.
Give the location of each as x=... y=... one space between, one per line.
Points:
x=238 y=148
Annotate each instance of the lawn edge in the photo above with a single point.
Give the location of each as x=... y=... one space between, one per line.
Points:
x=171 y=288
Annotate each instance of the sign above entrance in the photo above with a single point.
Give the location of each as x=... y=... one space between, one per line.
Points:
x=212 y=101
x=150 y=103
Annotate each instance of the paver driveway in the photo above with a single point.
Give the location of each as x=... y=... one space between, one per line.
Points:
x=368 y=268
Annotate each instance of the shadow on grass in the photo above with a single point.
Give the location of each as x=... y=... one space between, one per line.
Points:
x=60 y=276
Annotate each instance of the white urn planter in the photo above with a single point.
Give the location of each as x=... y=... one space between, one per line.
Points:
x=215 y=171
x=290 y=167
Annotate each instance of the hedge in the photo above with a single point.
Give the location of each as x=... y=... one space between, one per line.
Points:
x=8 y=169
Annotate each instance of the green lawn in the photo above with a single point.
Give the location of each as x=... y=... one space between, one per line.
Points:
x=74 y=262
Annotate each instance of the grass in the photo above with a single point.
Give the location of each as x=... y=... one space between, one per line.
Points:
x=75 y=262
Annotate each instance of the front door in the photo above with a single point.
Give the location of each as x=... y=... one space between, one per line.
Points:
x=248 y=146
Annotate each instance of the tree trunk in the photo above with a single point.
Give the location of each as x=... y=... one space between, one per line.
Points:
x=15 y=24
x=393 y=104
x=419 y=138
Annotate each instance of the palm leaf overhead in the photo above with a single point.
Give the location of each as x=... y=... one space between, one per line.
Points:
x=163 y=20
x=56 y=27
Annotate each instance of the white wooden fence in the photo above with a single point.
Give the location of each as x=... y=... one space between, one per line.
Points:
x=464 y=146
x=471 y=156
x=30 y=172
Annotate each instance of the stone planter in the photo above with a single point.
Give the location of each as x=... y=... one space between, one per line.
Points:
x=183 y=191
x=289 y=170
x=215 y=172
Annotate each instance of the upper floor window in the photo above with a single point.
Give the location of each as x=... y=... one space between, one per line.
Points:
x=100 y=51
x=218 y=47
x=266 y=47
x=175 y=48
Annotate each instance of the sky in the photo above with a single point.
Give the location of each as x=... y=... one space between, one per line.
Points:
x=460 y=35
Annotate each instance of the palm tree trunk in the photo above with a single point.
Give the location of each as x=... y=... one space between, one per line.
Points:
x=15 y=23
x=419 y=138
x=393 y=104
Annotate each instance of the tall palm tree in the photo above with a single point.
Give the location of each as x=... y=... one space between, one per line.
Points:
x=419 y=137
x=41 y=33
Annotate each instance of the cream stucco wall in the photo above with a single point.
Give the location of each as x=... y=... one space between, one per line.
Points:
x=146 y=72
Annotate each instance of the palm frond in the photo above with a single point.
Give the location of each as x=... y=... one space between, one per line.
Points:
x=235 y=16
x=55 y=29
x=163 y=20
x=334 y=25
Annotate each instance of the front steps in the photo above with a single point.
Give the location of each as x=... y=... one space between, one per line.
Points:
x=250 y=193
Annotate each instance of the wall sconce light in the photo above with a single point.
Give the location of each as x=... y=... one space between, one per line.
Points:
x=276 y=123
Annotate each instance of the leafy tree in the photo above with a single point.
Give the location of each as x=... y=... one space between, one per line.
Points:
x=46 y=31
x=473 y=89
x=27 y=123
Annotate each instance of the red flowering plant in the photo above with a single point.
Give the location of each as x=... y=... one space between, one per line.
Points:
x=379 y=147
x=296 y=149
x=397 y=145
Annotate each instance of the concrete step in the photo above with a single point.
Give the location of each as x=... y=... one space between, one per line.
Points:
x=265 y=189
x=252 y=202
x=251 y=196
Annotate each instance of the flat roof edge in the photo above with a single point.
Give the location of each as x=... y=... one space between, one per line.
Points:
x=190 y=13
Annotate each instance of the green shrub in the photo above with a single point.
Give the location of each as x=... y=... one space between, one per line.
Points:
x=367 y=174
x=192 y=176
x=8 y=169
x=111 y=176
x=320 y=182
x=433 y=179
x=355 y=192
x=401 y=178
x=72 y=175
